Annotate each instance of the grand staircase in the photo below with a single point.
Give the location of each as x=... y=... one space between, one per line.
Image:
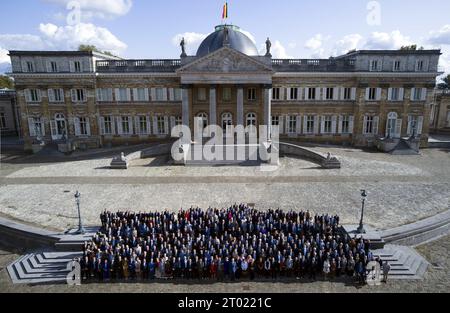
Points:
x=405 y=262
x=40 y=268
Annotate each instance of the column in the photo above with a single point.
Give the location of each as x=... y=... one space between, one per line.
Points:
x=240 y=106
x=268 y=109
x=185 y=104
x=212 y=106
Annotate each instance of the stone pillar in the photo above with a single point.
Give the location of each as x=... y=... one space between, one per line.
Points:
x=185 y=104
x=240 y=106
x=212 y=106
x=268 y=109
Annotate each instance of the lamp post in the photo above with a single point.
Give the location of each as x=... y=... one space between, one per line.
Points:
x=360 y=229
x=80 y=225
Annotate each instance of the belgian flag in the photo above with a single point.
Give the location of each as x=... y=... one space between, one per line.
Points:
x=225 y=11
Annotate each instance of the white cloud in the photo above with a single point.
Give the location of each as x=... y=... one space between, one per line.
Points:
x=4 y=58
x=347 y=43
x=70 y=37
x=277 y=50
x=53 y=37
x=192 y=40
x=440 y=37
x=98 y=8
x=316 y=46
x=393 y=40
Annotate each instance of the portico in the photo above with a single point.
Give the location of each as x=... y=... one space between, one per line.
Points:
x=227 y=82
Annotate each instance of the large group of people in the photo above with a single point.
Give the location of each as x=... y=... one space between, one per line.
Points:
x=234 y=243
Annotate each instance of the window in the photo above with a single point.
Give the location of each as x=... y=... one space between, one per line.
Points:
x=395 y=94
x=178 y=120
x=372 y=94
x=126 y=129
x=161 y=124
x=251 y=94
x=79 y=95
x=33 y=95
x=160 y=94
x=347 y=94
x=329 y=94
x=420 y=66
x=397 y=66
x=140 y=94
x=345 y=124
x=375 y=65
x=275 y=120
x=292 y=124
x=52 y=67
x=417 y=94
x=204 y=119
x=413 y=123
x=293 y=93
x=83 y=127
x=108 y=125
x=327 y=124
x=30 y=67
x=104 y=95
x=369 y=124
x=2 y=120
x=177 y=94
x=226 y=96
x=251 y=119
x=58 y=127
x=227 y=120
x=56 y=95
x=201 y=94
x=311 y=93
x=310 y=124
x=123 y=94
x=35 y=127
x=392 y=125
x=143 y=125
x=276 y=94
x=77 y=67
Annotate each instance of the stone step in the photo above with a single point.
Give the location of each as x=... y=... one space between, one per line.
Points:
x=22 y=274
x=41 y=270
x=42 y=259
x=61 y=255
x=35 y=263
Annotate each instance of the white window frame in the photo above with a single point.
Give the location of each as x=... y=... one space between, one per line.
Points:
x=79 y=95
x=397 y=66
x=251 y=94
x=104 y=94
x=276 y=93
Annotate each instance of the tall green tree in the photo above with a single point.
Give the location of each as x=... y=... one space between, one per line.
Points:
x=92 y=48
x=6 y=82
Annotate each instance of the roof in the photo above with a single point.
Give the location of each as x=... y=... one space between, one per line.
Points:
x=236 y=40
x=60 y=53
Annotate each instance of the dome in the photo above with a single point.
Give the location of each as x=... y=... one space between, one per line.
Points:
x=236 y=40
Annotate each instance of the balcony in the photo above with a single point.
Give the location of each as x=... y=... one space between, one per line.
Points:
x=132 y=66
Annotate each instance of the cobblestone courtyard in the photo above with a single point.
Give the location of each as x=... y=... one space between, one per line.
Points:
x=401 y=189
x=437 y=279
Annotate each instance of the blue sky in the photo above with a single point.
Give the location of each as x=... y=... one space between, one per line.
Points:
x=297 y=28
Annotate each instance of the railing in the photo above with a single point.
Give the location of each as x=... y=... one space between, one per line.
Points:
x=308 y=65
x=167 y=65
x=7 y=92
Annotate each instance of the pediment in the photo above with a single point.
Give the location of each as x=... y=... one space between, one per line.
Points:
x=226 y=60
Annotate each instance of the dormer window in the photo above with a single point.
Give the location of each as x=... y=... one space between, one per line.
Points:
x=397 y=66
x=76 y=67
x=420 y=65
x=375 y=65
x=29 y=67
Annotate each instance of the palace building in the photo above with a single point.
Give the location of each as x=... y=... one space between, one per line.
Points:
x=91 y=99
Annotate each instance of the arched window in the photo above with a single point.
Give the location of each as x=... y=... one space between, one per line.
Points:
x=204 y=117
x=227 y=122
x=59 y=127
x=393 y=125
x=251 y=119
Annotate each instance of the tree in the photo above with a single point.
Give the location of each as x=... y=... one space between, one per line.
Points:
x=409 y=48
x=92 y=48
x=445 y=83
x=6 y=82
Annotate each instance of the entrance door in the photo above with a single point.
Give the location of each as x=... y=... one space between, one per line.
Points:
x=59 y=127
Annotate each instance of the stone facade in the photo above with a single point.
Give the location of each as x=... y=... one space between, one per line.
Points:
x=440 y=113
x=92 y=99
x=9 y=122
